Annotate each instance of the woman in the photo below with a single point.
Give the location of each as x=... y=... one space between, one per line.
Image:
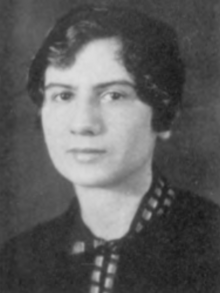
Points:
x=108 y=82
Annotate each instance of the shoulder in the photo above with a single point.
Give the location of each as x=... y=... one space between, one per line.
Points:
x=193 y=226
x=25 y=256
x=41 y=235
x=195 y=211
x=189 y=243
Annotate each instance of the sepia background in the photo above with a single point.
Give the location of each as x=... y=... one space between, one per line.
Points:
x=31 y=191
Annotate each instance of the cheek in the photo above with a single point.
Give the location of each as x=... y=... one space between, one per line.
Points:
x=141 y=142
x=132 y=127
x=52 y=129
x=136 y=138
x=52 y=120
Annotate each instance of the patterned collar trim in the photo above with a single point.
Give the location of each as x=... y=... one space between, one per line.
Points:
x=156 y=202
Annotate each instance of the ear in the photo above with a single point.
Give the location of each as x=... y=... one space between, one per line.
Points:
x=164 y=135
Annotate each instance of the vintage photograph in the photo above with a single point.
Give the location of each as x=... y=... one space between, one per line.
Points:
x=109 y=146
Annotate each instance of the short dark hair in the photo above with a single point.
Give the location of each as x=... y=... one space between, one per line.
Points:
x=149 y=52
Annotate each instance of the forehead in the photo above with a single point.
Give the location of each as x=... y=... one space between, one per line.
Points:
x=99 y=61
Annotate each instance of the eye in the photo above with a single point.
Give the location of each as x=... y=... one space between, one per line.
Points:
x=63 y=97
x=112 y=96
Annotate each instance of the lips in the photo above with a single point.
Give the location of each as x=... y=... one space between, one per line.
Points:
x=87 y=151
x=87 y=155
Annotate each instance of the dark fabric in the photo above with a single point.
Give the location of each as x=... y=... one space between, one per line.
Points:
x=177 y=252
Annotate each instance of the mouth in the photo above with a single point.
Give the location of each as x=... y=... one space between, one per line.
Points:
x=87 y=154
x=87 y=151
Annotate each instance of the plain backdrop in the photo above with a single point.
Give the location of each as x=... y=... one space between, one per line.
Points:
x=31 y=191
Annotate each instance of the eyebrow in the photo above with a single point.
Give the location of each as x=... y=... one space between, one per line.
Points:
x=98 y=86
x=116 y=82
x=57 y=84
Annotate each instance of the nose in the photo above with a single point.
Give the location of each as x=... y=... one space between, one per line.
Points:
x=86 y=119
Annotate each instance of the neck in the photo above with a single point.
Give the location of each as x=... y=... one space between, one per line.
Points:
x=108 y=212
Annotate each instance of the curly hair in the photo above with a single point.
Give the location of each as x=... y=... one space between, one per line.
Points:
x=149 y=52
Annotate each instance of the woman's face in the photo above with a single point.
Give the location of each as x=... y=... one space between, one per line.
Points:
x=98 y=133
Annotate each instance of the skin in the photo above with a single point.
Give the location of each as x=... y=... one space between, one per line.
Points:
x=99 y=135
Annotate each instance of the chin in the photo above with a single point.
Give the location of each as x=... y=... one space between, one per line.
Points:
x=91 y=181
x=87 y=180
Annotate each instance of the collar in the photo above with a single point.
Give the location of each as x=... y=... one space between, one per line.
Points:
x=155 y=203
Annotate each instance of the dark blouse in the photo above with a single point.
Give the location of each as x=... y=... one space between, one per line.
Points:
x=173 y=246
